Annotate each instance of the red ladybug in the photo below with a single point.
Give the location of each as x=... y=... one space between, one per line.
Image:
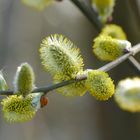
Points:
x=43 y=101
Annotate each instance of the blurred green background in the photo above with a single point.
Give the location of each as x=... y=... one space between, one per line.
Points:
x=78 y=118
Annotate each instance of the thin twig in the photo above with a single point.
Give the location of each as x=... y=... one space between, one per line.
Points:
x=105 y=68
x=135 y=63
x=89 y=13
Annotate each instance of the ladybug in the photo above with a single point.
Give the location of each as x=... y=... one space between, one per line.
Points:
x=43 y=101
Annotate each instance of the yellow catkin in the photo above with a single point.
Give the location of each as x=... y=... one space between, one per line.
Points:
x=115 y=31
x=107 y=48
x=104 y=8
x=127 y=94
x=100 y=85
x=63 y=60
x=17 y=108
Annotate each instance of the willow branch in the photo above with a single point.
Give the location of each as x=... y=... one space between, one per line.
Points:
x=89 y=13
x=105 y=68
x=92 y=16
x=135 y=63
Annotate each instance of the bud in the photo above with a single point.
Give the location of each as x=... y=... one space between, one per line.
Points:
x=100 y=85
x=104 y=8
x=24 y=79
x=127 y=94
x=114 y=31
x=107 y=48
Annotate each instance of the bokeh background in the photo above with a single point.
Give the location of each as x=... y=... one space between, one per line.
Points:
x=78 y=118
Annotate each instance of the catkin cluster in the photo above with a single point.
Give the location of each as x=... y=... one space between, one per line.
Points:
x=63 y=60
x=22 y=106
x=111 y=43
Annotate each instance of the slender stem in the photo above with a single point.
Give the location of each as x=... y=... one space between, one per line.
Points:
x=113 y=64
x=89 y=13
x=105 y=68
x=55 y=86
x=135 y=63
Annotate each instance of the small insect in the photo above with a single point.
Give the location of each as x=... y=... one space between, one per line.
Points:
x=39 y=100
x=43 y=101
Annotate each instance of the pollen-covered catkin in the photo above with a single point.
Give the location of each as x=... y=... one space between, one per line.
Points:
x=104 y=8
x=17 y=108
x=63 y=60
x=107 y=48
x=115 y=31
x=127 y=94
x=100 y=85
x=60 y=55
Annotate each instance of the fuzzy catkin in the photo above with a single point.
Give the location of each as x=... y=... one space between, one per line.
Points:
x=104 y=8
x=127 y=94
x=115 y=31
x=60 y=55
x=24 y=79
x=17 y=108
x=100 y=85
x=63 y=60
x=107 y=48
